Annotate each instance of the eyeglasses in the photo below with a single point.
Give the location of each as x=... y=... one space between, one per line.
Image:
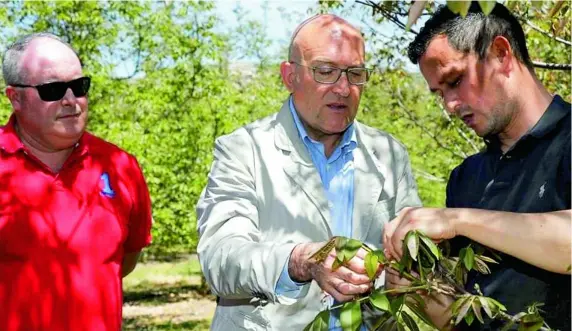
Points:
x=330 y=75
x=55 y=91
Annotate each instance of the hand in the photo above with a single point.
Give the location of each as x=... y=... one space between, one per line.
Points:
x=436 y=223
x=343 y=284
x=394 y=281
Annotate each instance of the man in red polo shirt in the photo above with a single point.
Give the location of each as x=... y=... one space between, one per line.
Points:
x=75 y=211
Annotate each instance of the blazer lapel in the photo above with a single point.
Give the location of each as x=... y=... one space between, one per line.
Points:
x=368 y=184
x=298 y=163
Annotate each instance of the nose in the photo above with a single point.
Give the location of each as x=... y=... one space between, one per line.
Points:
x=69 y=98
x=342 y=86
x=451 y=103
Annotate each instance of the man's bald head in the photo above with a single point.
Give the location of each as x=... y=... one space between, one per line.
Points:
x=12 y=70
x=321 y=26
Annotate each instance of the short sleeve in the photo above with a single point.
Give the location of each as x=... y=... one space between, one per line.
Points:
x=140 y=217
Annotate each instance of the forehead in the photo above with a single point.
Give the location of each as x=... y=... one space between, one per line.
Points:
x=440 y=58
x=47 y=60
x=331 y=40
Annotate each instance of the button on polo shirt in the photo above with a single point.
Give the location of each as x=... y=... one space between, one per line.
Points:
x=63 y=235
x=531 y=177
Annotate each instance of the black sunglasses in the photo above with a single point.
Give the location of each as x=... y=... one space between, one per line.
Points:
x=55 y=91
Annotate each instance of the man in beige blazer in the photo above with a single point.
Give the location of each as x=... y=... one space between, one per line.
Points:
x=280 y=187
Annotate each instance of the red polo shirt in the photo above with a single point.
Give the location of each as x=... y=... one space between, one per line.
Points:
x=63 y=235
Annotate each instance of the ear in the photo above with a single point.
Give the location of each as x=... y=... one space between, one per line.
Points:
x=14 y=97
x=500 y=52
x=288 y=75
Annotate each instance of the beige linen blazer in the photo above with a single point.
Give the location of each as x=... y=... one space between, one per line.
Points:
x=264 y=196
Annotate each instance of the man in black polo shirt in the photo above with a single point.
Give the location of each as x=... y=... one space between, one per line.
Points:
x=513 y=197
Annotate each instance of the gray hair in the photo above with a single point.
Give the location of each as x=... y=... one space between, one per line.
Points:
x=11 y=59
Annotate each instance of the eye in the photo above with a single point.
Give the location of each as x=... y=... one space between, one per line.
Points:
x=325 y=70
x=456 y=82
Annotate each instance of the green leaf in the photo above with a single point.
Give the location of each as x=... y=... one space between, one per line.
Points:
x=569 y=267
x=431 y=245
x=418 y=310
x=469 y=258
x=409 y=321
x=530 y=326
x=380 y=256
x=371 y=264
x=477 y=310
x=337 y=264
x=487 y=259
x=499 y=305
x=459 y=7
x=412 y=241
x=481 y=266
x=487 y=6
x=320 y=323
x=486 y=307
x=396 y=304
x=469 y=318
x=379 y=300
x=350 y=316
x=347 y=248
x=463 y=309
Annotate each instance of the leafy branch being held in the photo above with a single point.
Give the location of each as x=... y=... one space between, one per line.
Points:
x=430 y=270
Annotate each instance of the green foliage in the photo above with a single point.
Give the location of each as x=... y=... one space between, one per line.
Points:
x=404 y=309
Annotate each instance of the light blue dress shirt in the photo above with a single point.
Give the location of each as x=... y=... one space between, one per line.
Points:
x=337 y=174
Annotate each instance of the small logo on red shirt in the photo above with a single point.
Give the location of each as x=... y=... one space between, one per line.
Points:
x=105 y=186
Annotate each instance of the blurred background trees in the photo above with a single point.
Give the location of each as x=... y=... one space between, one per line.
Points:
x=180 y=87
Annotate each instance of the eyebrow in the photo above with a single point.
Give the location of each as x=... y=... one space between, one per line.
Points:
x=330 y=63
x=445 y=74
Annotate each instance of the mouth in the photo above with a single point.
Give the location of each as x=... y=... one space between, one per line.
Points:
x=337 y=106
x=468 y=119
x=69 y=116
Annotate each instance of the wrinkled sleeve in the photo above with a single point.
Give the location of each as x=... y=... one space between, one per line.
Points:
x=234 y=260
x=406 y=195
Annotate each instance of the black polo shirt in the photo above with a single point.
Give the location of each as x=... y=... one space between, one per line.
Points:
x=532 y=177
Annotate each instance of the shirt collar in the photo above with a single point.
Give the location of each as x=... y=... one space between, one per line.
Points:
x=10 y=141
x=348 y=139
x=556 y=111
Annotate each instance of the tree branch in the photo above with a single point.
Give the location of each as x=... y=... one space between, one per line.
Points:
x=399 y=99
x=546 y=33
x=395 y=20
x=552 y=66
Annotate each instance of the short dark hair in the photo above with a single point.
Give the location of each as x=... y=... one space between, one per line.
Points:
x=472 y=33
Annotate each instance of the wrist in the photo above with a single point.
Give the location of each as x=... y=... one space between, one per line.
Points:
x=456 y=217
x=298 y=266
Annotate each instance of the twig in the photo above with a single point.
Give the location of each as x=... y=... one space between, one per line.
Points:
x=395 y=20
x=552 y=66
x=546 y=33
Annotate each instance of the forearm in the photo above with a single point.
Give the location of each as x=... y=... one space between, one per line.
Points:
x=237 y=268
x=541 y=239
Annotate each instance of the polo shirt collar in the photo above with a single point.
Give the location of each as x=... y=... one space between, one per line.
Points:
x=556 y=111
x=10 y=141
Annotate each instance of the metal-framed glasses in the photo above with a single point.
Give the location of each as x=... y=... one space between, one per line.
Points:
x=330 y=75
x=55 y=91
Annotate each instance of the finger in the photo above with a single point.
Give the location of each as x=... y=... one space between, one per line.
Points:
x=331 y=290
x=357 y=265
x=348 y=289
x=351 y=277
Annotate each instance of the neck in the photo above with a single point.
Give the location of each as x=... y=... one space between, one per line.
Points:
x=531 y=101
x=52 y=157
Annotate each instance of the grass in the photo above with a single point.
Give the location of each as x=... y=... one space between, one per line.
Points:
x=166 y=296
